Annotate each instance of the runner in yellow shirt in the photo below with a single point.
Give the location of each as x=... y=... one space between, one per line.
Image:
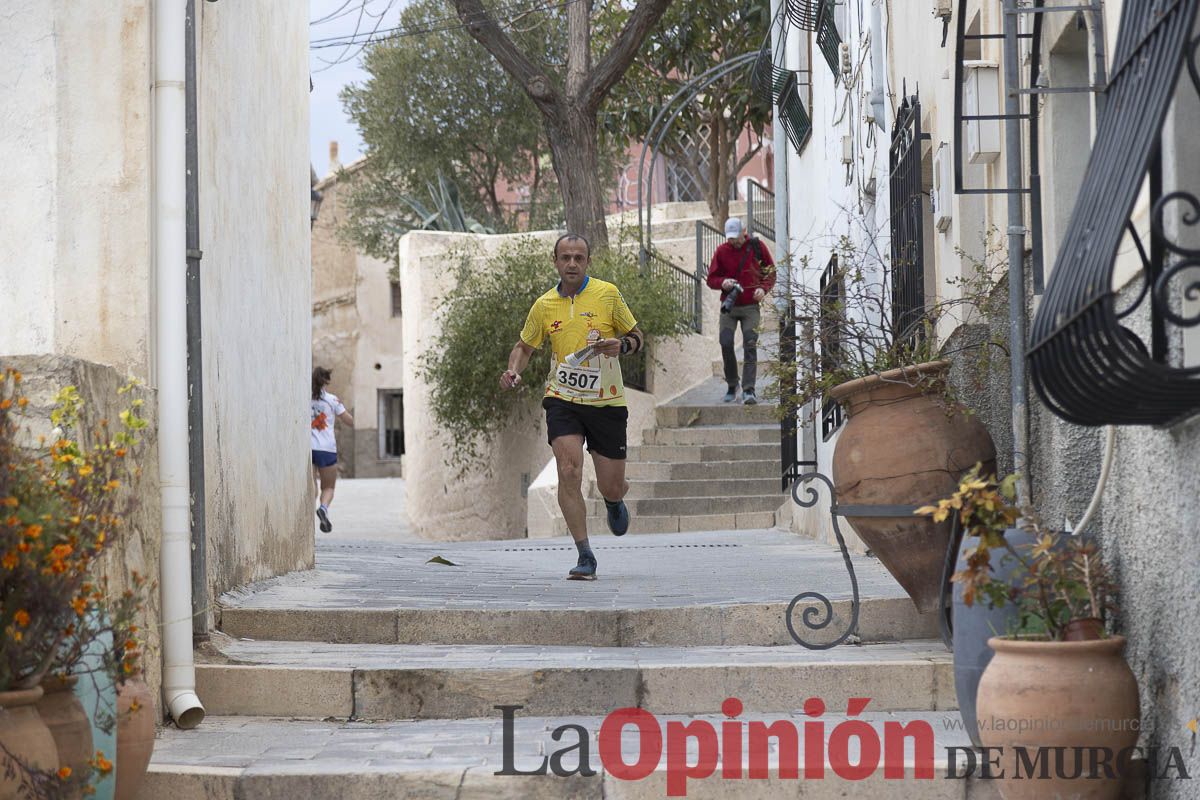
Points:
x=588 y=325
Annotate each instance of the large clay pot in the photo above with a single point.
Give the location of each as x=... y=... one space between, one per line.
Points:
x=25 y=736
x=135 y=736
x=976 y=624
x=64 y=715
x=1073 y=695
x=902 y=446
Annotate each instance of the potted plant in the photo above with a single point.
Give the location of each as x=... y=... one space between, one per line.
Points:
x=907 y=438
x=1058 y=679
x=64 y=502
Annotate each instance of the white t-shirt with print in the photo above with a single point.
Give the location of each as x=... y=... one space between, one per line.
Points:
x=324 y=411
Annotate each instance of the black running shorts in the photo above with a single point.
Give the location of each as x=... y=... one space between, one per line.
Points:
x=602 y=427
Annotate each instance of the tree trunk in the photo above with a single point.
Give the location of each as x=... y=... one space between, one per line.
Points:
x=719 y=163
x=575 y=152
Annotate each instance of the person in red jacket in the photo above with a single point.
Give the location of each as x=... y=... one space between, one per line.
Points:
x=745 y=262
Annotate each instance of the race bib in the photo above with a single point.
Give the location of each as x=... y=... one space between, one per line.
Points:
x=578 y=381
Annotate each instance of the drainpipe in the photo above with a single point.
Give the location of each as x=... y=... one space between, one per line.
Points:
x=779 y=142
x=195 y=360
x=170 y=251
x=1016 y=250
x=878 y=68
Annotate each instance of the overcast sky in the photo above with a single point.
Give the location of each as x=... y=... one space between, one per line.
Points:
x=327 y=121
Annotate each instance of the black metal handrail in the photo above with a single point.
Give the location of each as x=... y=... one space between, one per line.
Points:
x=708 y=239
x=686 y=286
x=760 y=209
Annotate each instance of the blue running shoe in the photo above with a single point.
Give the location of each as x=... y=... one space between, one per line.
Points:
x=618 y=517
x=585 y=570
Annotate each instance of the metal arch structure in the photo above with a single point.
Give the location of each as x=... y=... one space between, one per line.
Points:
x=680 y=100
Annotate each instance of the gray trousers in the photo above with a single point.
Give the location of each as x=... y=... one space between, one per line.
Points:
x=750 y=318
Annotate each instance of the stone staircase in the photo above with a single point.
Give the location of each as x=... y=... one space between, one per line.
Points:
x=378 y=674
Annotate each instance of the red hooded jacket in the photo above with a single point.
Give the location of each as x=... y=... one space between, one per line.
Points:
x=743 y=264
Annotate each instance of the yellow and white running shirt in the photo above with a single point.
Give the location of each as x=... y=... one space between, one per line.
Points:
x=597 y=311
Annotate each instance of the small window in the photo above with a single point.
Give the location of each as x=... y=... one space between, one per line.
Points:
x=391 y=424
x=396 y=298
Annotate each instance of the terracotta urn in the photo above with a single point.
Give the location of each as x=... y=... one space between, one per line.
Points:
x=135 y=736
x=1070 y=695
x=68 y=722
x=903 y=446
x=25 y=736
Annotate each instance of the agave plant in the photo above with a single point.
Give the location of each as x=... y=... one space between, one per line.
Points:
x=445 y=210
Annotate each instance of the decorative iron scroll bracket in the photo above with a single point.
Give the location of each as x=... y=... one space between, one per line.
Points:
x=818 y=613
x=816 y=617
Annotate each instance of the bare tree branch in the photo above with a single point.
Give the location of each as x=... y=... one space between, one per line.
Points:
x=618 y=58
x=482 y=28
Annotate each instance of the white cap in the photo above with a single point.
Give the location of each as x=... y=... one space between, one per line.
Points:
x=733 y=228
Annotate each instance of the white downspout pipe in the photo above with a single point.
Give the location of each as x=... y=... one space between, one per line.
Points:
x=170 y=265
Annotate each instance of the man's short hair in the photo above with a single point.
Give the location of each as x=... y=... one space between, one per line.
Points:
x=573 y=237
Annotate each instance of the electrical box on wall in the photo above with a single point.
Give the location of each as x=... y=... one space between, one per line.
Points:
x=981 y=97
x=942 y=197
x=847 y=150
x=943 y=9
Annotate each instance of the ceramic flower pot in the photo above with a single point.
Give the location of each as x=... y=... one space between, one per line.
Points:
x=901 y=446
x=25 y=736
x=1037 y=695
x=135 y=736
x=68 y=722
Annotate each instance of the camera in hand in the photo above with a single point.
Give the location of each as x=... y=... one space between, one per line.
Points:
x=731 y=298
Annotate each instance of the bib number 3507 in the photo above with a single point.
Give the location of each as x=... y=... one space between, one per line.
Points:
x=581 y=380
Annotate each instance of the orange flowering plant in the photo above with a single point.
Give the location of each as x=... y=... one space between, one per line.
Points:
x=1058 y=583
x=63 y=502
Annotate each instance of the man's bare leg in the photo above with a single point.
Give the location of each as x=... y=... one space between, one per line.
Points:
x=610 y=477
x=568 y=456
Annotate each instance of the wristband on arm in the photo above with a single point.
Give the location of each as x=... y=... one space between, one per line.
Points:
x=631 y=344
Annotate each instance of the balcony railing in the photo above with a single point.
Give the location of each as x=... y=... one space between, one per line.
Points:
x=685 y=286
x=760 y=206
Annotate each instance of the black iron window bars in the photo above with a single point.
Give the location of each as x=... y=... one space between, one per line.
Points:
x=907 y=222
x=1085 y=364
x=965 y=40
x=781 y=87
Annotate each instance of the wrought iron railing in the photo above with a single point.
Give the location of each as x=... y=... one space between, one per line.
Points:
x=686 y=287
x=635 y=369
x=708 y=239
x=1089 y=365
x=908 y=223
x=829 y=331
x=791 y=467
x=760 y=208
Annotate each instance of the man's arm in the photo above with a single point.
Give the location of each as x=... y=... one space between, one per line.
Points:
x=766 y=268
x=518 y=360
x=716 y=277
x=633 y=341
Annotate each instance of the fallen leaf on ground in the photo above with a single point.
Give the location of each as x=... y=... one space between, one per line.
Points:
x=440 y=560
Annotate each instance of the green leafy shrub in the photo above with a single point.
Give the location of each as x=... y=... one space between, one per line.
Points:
x=481 y=319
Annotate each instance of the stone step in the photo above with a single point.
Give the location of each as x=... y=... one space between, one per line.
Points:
x=707 y=470
x=690 y=523
x=690 y=416
x=680 y=453
x=730 y=434
x=726 y=503
x=765 y=365
x=702 y=488
x=666 y=623
x=386 y=682
x=235 y=758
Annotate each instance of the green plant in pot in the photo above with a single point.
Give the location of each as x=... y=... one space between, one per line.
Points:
x=65 y=501
x=907 y=438
x=1057 y=679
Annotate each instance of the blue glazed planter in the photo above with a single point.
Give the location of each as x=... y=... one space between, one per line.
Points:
x=974 y=625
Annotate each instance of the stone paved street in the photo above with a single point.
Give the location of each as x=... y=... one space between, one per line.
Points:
x=368 y=508
x=650 y=571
